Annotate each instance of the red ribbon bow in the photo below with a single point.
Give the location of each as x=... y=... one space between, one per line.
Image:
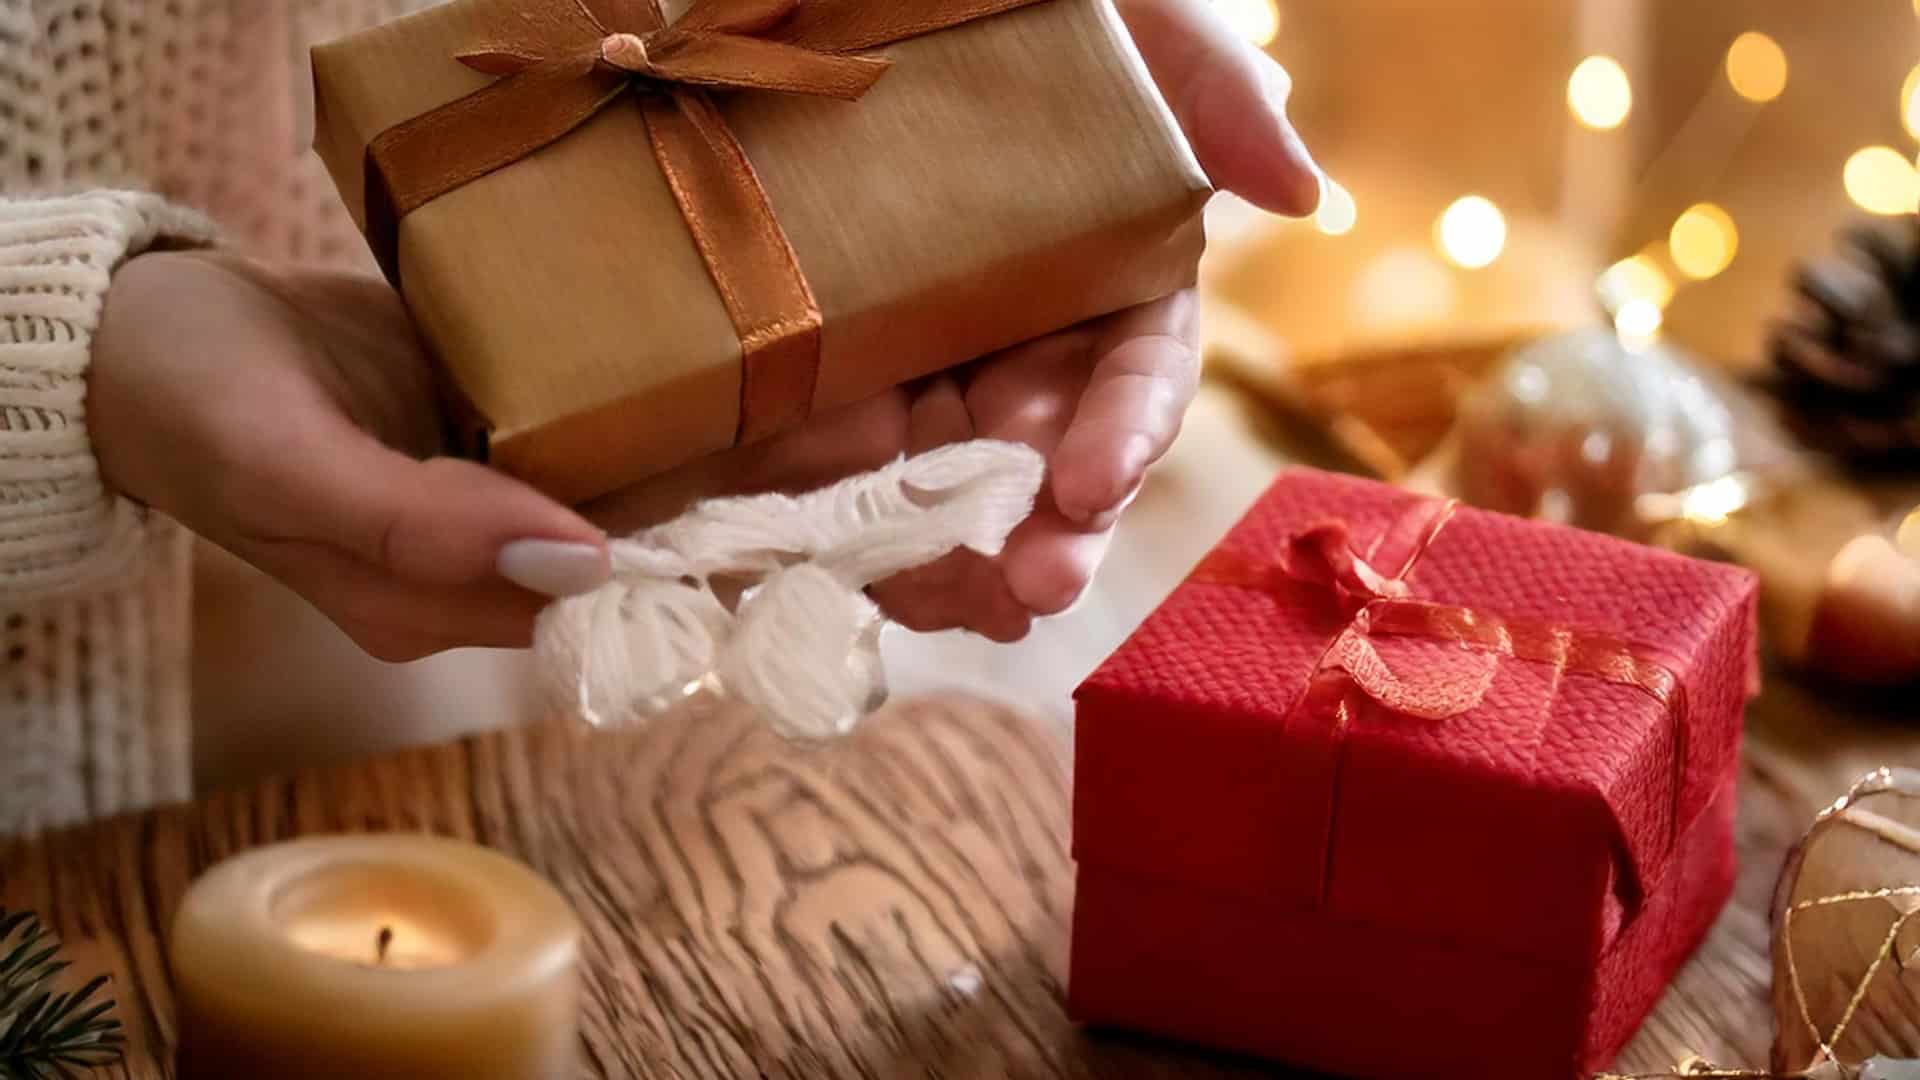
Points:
x=1322 y=561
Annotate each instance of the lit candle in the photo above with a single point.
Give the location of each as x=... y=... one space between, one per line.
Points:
x=375 y=957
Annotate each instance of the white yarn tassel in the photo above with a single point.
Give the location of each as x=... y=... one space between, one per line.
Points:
x=802 y=646
x=797 y=652
x=670 y=637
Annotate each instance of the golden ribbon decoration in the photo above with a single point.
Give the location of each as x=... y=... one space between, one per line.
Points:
x=566 y=61
x=1322 y=562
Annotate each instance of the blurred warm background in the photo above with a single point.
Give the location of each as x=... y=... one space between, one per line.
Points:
x=1583 y=132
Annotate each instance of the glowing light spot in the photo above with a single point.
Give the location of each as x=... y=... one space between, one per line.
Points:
x=1638 y=322
x=1757 y=67
x=1338 y=213
x=1713 y=502
x=1881 y=180
x=1910 y=102
x=1633 y=279
x=1599 y=93
x=1704 y=241
x=1256 y=20
x=1596 y=448
x=1472 y=232
x=1907 y=539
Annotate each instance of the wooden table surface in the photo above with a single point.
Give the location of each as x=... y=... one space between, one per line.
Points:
x=893 y=906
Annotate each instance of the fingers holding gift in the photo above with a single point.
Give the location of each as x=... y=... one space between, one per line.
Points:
x=938 y=416
x=1231 y=99
x=962 y=591
x=440 y=522
x=1028 y=394
x=1046 y=566
x=829 y=447
x=1049 y=561
x=408 y=557
x=397 y=621
x=1145 y=373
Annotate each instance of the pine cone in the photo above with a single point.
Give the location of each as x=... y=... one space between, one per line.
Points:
x=1848 y=360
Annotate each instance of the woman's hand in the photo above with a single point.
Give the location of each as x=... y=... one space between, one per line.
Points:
x=288 y=416
x=1105 y=400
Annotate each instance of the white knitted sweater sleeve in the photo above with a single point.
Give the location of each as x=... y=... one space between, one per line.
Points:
x=61 y=531
x=94 y=598
x=207 y=103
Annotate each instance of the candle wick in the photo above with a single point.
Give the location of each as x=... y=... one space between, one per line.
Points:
x=382 y=943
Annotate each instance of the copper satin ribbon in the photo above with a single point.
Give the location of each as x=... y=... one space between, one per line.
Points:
x=566 y=60
x=1322 y=561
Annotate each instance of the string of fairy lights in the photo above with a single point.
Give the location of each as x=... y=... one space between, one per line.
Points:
x=1471 y=233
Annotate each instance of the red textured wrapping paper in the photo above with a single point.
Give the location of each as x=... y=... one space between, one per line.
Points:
x=1501 y=892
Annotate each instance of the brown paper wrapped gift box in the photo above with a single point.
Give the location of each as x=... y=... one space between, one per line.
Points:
x=1008 y=177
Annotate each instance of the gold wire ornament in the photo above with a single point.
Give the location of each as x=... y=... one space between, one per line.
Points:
x=1810 y=1047
x=1872 y=878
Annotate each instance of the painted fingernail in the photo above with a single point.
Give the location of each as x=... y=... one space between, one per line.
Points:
x=553 y=567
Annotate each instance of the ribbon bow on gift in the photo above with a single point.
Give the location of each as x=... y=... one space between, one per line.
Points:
x=1322 y=564
x=563 y=62
x=713 y=44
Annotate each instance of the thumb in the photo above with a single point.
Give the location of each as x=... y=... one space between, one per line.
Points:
x=1230 y=98
x=448 y=522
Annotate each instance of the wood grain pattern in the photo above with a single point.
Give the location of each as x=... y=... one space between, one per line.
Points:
x=893 y=906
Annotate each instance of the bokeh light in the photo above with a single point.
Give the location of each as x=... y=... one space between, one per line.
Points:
x=1636 y=279
x=1713 y=502
x=1638 y=322
x=1910 y=101
x=1599 y=93
x=1256 y=20
x=1405 y=288
x=1907 y=538
x=1880 y=180
x=1757 y=67
x=1704 y=241
x=1472 y=232
x=1338 y=213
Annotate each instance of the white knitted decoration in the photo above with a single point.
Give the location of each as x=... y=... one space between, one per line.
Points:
x=801 y=643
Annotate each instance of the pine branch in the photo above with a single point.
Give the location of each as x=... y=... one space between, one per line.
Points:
x=44 y=1034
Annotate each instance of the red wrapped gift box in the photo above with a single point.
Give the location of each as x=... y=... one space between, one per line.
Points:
x=1397 y=789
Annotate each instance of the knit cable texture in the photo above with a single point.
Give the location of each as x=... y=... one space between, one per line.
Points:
x=60 y=530
x=92 y=694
